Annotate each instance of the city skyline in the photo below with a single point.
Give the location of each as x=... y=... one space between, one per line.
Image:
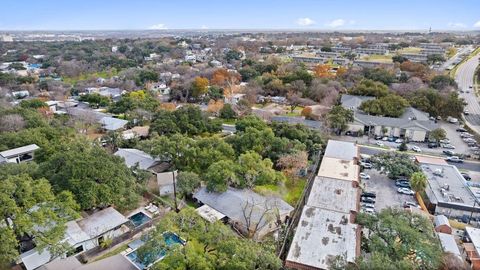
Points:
x=283 y=14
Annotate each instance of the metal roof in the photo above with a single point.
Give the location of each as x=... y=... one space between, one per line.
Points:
x=133 y=156
x=101 y=222
x=19 y=151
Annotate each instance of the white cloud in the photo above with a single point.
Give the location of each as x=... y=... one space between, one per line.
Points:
x=305 y=21
x=159 y=26
x=477 y=24
x=336 y=23
x=456 y=25
x=203 y=27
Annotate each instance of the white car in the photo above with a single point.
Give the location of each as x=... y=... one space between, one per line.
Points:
x=416 y=149
x=364 y=176
x=405 y=191
x=368 y=210
x=368 y=205
x=448 y=146
x=380 y=144
x=399 y=141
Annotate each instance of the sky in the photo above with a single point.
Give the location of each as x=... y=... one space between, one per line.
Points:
x=240 y=14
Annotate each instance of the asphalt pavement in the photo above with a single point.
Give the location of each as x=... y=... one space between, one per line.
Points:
x=464 y=78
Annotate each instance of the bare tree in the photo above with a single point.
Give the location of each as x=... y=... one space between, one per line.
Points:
x=258 y=216
x=11 y=122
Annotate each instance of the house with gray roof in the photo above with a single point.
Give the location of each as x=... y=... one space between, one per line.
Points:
x=413 y=124
x=249 y=212
x=82 y=235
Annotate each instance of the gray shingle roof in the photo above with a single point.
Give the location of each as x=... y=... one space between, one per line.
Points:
x=353 y=102
x=232 y=203
x=134 y=156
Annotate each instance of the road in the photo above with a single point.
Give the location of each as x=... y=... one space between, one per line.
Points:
x=456 y=57
x=466 y=165
x=464 y=78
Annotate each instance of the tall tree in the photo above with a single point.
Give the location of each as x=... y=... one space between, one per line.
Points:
x=31 y=212
x=418 y=181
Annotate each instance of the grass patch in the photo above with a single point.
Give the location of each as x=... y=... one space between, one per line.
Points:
x=410 y=50
x=378 y=58
x=451 y=52
x=89 y=76
x=229 y=121
x=290 y=191
x=115 y=251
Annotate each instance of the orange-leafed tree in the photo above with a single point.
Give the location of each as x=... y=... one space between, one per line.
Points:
x=214 y=106
x=199 y=86
x=341 y=71
x=323 y=71
x=168 y=106
x=226 y=79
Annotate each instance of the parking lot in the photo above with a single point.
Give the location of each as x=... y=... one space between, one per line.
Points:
x=385 y=189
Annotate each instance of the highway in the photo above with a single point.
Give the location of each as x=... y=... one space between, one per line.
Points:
x=466 y=165
x=464 y=78
x=457 y=57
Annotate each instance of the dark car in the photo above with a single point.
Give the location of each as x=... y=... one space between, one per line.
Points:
x=369 y=195
x=402 y=184
x=378 y=137
x=466 y=176
x=391 y=139
x=368 y=200
x=461 y=130
x=449 y=152
x=432 y=145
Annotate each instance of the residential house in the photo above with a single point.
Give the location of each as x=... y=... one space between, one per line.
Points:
x=247 y=211
x=372 y=64
x=82 y=235
x=19 y=154
x=371 y=51
x=415 y=57
x=413 y=125
x=136 y=132
x=448 y=243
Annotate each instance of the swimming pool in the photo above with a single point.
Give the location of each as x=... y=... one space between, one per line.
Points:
x=170 y=239
x=139 y=219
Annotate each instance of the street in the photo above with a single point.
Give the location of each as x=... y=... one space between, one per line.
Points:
x=464 y=78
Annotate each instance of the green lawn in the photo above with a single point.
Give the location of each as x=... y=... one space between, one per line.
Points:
x=378 y=58
x=290 y=191
x=88 y=76
x=115 y=251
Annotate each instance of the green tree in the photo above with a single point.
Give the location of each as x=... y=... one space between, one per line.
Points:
x=95 y=100
x=435 y=58
x=75 y=167
x=418 y=181
x=394 y=164
x=187 y=182
x=370 y=88
x=220 y=174
x=338 y=118
x=253 y=170
x=227 y=112
x=437 y=134
x=399 y=239
x=199 y=86
x=441 y=82
x=209 y=246
x=33 y=212
x=33 y=103
x=390 y=106
x=403 y=147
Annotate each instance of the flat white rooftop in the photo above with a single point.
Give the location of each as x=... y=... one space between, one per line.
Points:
x=339 y=169
x=334 y=194
x=19 y=151
x=341 y=150
x=321 y=236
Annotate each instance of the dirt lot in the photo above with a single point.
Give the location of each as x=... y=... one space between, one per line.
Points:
x=387 y=195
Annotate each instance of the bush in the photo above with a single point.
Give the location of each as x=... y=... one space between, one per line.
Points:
x=227 y=112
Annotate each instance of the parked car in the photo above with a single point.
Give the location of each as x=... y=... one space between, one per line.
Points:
x=405 y=191
x=385 y=139
x=378 y=137
x=449 y=153
x=455 y=159
x=366 y=165
x=432 y=145
x=364 y=176
x=461 y=130
x=410 y=204
x=399 y=141
x=466 y=112
x=452 y=120
x=402 y=184
x=391 y=139
x=369 y=194
x=368 y=205
x=380 y=144
x=368 y=210
x=368 y=200
x=466 y=176
x=445 y=141
x=448 y=146
x=416 y=149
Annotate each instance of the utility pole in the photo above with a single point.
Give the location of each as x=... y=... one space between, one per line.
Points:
x=174 y=191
